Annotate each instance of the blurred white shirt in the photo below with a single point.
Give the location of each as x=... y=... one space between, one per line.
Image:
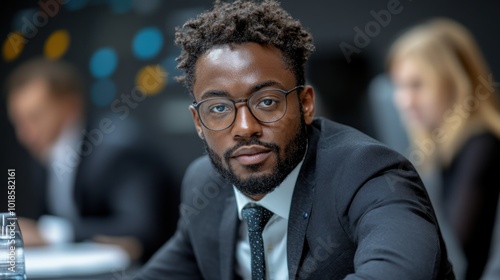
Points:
x=62 y=164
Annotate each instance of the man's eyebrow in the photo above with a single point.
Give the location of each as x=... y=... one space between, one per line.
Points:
x=221 y=93
x=214 y=93
x=262 y=85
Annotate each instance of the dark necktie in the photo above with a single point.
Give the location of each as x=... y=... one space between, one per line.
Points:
x=256 y=218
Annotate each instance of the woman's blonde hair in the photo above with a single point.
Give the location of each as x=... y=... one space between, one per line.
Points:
x=456 y=62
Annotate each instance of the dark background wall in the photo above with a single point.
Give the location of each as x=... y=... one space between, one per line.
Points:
x=341 y=85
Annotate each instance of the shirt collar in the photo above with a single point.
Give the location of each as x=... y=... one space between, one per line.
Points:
x=277 y=201
x=67 y=139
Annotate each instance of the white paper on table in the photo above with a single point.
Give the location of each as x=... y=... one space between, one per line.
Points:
x=74 y=259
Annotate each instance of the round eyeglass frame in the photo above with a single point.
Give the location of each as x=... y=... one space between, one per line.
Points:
x=196 y=106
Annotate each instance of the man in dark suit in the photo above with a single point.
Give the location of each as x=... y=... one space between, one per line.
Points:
x=281 y=194
x=92 y=180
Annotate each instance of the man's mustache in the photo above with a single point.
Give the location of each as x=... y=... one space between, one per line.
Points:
x=252 y=141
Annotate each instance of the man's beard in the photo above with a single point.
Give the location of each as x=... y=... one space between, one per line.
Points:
x=263 y=184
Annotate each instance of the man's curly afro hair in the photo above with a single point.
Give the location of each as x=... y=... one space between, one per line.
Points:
x=265 y=23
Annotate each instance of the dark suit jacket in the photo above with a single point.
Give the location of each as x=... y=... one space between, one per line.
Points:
x=359 y=211
x=122 y=188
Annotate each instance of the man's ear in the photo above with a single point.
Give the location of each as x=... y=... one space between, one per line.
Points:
x=307 y=100
x=197 y=122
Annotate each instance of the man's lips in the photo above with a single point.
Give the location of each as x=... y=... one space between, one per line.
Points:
x=251 y=154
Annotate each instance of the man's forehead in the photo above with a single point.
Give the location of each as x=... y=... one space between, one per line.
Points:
x=234 y=57
x=220 y=55
x=33 y=94
x=34 y=85
x=245 y=65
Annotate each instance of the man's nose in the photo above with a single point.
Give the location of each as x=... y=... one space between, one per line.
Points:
x=245 y=124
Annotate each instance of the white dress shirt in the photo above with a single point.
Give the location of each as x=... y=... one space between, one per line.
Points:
x=62 y=163
x=275 y=231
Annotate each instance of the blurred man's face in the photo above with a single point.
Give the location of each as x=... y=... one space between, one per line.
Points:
x=254 y=156
x=37 y=116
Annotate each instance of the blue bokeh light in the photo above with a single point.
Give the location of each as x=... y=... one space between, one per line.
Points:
x=74 y=5
x=103 y=62
x=23 y=21
x=147 y=42
x=120 y=6
x=102 y=92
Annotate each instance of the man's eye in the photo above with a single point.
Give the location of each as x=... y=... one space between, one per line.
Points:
x=267 y=103
x=220 y=108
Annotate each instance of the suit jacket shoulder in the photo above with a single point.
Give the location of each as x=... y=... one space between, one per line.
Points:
x=369 y=211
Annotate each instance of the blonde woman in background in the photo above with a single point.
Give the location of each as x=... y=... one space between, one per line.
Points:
x=449 y=106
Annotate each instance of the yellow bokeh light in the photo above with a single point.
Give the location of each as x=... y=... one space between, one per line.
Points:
x=13 y=46
x=57 y=44
x=151 y=79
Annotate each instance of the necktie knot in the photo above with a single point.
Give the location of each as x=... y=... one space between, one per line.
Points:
x=256 y=217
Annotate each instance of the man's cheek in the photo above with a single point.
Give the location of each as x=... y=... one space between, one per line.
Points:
x=212 y=144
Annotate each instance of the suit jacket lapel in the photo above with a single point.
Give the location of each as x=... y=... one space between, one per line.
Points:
x=300 y=209
x=228 y=233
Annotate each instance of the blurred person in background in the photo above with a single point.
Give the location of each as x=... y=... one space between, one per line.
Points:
x=94 y=179
x=447 y=100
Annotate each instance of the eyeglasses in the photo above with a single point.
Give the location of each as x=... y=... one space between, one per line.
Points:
x=266 y=106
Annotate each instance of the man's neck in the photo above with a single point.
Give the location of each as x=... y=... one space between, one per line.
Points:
x=256 y=197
